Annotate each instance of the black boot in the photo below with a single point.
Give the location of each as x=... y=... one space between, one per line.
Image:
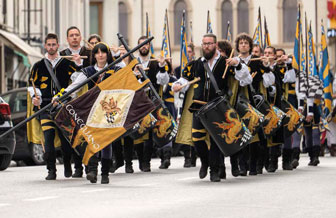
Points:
x=92 y=169
x=146 y=167
x=315 y=156
x=193 y=156
x=273 y=165
x=105 y=171
x=67 y=166
x=203 y=172
x=311 y=155
x=234 y=165
x=295 y=157
x=287 y=159
x=166 y=158
x=129 y=167
x=214 y=174
x=187 y=156
x=222 y=173
x=50 y=159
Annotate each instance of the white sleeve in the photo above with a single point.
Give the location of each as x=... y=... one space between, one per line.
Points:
x=310 y=103
x=121 y=64
x=290 y=76
x=268 y=79
x=162 y=78
x=273 y=91
x=182 y=81
x=300 y=96
x=76 y=79
x=243 y=76
x=32 y=93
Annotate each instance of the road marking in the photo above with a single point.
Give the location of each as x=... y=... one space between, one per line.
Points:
x=41 y=198
x=148 y=184
x=94 y=190
x=188 y=178
x=4 y=205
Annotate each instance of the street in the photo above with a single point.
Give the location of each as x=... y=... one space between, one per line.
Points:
x=176 y=192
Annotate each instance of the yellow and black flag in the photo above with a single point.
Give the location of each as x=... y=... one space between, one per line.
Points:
x=105 y=112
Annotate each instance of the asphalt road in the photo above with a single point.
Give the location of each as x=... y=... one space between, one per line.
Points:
x=176 y=192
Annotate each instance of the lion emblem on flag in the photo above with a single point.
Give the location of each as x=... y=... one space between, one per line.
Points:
x=110 y=108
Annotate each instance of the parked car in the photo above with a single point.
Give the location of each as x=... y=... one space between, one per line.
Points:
x=7 y=143
x=31 y=153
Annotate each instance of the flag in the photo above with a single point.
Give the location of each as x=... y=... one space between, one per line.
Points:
x=228 y=32
x=297 y=49
x=184 y=44
x=267 y=41
x=312 y=70
x=165 y=48
x=148 y=34
x=257 y=36
x=209 y=28
x=325 y=74
x=106 y=112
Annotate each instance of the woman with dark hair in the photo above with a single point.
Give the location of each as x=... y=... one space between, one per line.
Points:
x=100 y=54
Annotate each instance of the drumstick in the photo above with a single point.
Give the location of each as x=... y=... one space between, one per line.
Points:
x=258 y=59
x=200 y=102
x=157 y=59
x=253 y=74
x=88 y=43
x=227 y=66
x=70 y=56
x=39 y=107
x=191 y=82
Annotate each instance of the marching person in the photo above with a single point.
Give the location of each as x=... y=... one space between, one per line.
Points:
x=100 y=53
x=50 y=75
x=262 y=79
x=186 y=146
x=205 y=92
x=75 y=50
x=285 y=88
x=157 y=74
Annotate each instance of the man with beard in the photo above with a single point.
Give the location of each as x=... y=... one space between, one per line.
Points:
x=205 y=91
x=47 y=87
x=157 y=73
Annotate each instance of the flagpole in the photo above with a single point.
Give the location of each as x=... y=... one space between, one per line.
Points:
x=261 y=35
x=207 y=28
x=168 y=34
x=307 y=71
x=146 y=24
x=124 y=43
x=80 y=85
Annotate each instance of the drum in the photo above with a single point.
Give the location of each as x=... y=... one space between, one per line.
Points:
x=292 y=120
x=273 y=115
x=224 y=126
x=251 y=117
x=165 y=128
x=141 y=128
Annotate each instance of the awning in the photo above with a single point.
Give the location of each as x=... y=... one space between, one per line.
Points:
x=16 y=43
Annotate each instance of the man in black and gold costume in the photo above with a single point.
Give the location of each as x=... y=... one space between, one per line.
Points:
x=205 y=91
x=50 y=75
x=75 y=50
x=157 y=74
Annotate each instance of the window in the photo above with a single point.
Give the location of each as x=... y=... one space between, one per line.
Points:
x=289 y=14
x=179 y=6
x=226 y=16
x=20 y=102
x=243 y=16
x=123 y=21
x=96 y=11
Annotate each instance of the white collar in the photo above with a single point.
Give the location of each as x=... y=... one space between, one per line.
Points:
x=97 y=68
x=54 y=61
x=247 y=59
x=75 y=51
